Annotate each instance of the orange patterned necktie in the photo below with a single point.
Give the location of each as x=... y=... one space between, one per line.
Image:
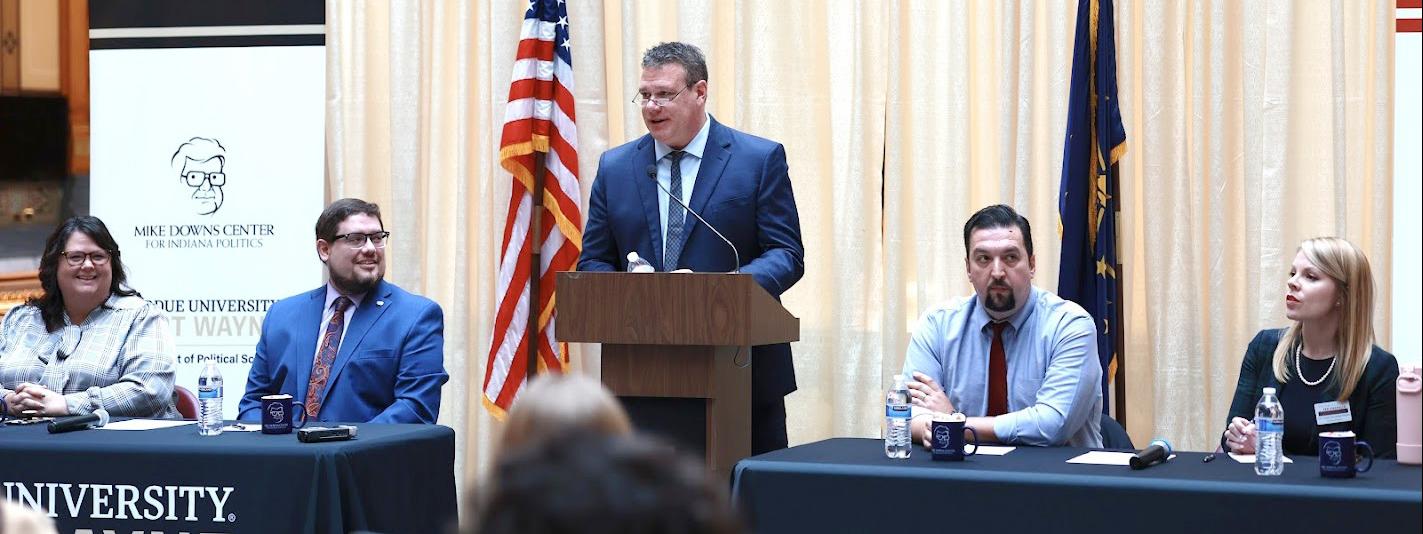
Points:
x=321 y=368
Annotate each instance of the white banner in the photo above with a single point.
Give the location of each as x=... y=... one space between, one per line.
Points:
x=208 y=167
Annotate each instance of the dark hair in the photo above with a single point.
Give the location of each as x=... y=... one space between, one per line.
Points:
x=51 y=303
x=998 y=216
x=332 y=216
x=688 y=56
x=601 y=484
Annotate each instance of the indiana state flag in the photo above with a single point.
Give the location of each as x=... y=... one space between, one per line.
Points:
x=1087 y=203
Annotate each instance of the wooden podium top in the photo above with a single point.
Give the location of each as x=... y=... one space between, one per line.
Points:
x=670 y=309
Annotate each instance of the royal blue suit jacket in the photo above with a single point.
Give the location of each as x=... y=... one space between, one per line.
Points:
x=743 y=189
x=389 y=369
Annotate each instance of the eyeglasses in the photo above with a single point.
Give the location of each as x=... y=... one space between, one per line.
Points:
x=358 y=240
x=196 y=178
x=76 y=258
x=659 y=99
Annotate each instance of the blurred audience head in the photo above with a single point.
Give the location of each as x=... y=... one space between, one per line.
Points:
x=594 y=484
x=16 y=518
x=563 y=404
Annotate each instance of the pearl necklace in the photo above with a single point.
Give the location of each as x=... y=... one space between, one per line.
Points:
x=1299 y=353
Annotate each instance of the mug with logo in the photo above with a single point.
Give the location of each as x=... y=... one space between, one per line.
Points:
x=948 y=441
x=1338 y=454
x=278 y=414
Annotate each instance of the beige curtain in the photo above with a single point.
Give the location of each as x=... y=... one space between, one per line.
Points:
x=1254 y=125
x=1251 y=126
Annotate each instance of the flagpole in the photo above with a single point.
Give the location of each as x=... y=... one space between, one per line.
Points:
x=536 y=243
x=1119 y=335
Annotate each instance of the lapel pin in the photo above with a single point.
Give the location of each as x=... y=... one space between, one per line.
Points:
x=380 y=303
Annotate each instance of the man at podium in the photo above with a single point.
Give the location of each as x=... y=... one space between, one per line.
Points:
x=737 y=182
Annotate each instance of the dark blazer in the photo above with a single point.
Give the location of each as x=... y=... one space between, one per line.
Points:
x=1373 y=404
x=390 y=367
x=743 y=189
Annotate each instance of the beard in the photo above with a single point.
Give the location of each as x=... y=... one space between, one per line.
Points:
x=1000 y=302
x=354 y=284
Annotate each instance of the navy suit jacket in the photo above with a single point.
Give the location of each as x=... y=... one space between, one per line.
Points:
x=743 y=189
x=389 y=369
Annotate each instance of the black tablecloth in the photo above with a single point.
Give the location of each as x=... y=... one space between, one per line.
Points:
x=847 y=485
x=391 y=478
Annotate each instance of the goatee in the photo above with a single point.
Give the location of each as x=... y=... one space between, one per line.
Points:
x=1000 y=302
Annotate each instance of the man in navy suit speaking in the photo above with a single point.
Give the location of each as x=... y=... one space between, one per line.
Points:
x=358 y=349
x=737 y=181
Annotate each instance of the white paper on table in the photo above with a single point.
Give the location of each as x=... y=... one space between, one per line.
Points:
x=242 y=427
x=1250 y=458
x=1102 y=458
x=987 y=450
x=1107 y=458
x=145 y=424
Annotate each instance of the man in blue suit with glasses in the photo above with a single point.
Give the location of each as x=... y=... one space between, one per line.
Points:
x=737 y=181
x=358 y=349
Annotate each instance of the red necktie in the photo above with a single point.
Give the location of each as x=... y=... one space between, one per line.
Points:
x=321 y=368
x=997 y=373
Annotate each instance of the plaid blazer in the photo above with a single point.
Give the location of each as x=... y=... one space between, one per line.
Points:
x=121 y=358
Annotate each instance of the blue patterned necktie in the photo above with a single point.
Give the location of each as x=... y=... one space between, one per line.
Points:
x=676 y=230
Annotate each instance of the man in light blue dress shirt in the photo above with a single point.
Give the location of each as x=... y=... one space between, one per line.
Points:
x=1048 y=376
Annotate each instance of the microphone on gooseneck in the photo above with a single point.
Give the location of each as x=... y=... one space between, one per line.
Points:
x=652 y=175
x=99 y=418
x=1153 y=454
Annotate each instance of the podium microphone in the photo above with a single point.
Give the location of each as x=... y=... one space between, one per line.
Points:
x=652 y=174
x=1153 y=454
x=79 y=422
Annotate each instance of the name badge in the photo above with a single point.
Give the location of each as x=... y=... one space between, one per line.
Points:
x=1328 y=413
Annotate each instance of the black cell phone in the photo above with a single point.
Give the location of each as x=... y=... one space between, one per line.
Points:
x=319 y=434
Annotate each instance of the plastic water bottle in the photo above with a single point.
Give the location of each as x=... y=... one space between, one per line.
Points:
x=210 y=400
x=1269 y=435
x=896 y=420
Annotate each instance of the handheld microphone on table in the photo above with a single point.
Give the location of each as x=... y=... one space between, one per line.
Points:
x=1153 y=454
x=652 y=175
x=99 y=418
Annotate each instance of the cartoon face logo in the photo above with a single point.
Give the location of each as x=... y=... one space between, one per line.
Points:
x=199 y=164
x=277 y=412
x=1334 y=453
x=942 y=435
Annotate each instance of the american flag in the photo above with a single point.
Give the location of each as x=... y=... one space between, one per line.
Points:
x=1408 y=19
x=538 y=123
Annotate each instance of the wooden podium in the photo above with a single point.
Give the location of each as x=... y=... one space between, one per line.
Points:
x=679 y=345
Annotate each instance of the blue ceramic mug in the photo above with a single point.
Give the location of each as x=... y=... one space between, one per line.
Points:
x=1338 y=454
x=947 y=441
x=279 y=414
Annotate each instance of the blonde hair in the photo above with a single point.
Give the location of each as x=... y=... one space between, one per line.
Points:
x=1347 y=265
x=557 y=404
